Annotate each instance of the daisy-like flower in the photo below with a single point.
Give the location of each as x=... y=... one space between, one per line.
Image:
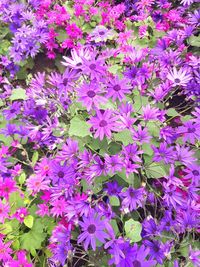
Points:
x=150 y=113
x=36 y=183
x=132 y=198
x=190 y=131
x=164 y=153
x=7 y=186
x=4 y=210
x=184 y=155
x=101 y=34
x=116 y=88
x=93 y=67
x=89 y=95
x=76 y=60
x=5 y=251
x=187 y=2
x=20 y=214
x=103 y=123
x=193 y=172
x=21 y=260
x=93 y=229
x=180 y=77
x=141 y=135
x=58 y=207
x=13 y=111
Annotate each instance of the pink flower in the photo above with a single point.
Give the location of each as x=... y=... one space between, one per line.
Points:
x=20 y=214
x=7 y=186
x=43 y=210
x=4 y=210
x=21 y=260
x=58 y=207
x=5 y=251
x=37 y=183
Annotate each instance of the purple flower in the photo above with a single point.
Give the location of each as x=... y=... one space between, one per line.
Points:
x=122 y=253
x=150 y=113
x=184 y=155
x=164 y=153
x=113 y=163
x=12 y=111
x=180 y=77
x=193 y=172
x=132 y=198
x=113 y=188
x=190 y=131
x=140 y=254
x=116 y=89
x=93 y=67
x=157 y=250
x=101 y=34
x=141 y=135
x=93 y=229
x=172 y=197
x=90 y=95
x=132 y=153
x=103 y=123
x=62 y=174
x=194 y=256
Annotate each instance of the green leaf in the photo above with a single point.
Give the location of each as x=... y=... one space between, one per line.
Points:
x=34 y=238
x=194 y=40
x=153 y=128
x=5 y=228
x=156 y=170
x=62 y=35
x=28 y=221
x=22 y=178
x=172 y=112
x=133 y=230
x=78 y=127
x=18 y=93
x=124 y=137
x=35 y=157
x=114 y=201
x=114 y=69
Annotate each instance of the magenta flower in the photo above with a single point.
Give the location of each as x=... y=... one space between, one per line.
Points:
x=116 y=89
x=20 y=214
x=21 y=260
x=5 y=251
x=4 y=210
x=58 y=207
x=90 y=95
x=93 y=229
x=104 y=123
x=7 y=186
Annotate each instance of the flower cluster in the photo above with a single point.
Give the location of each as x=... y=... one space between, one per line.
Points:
x=99 y=141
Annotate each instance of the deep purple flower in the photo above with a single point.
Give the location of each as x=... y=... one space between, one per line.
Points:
x=141 y=135
x=193 y=172
x=113 y=163
x=93 y=229
x=157 y=250
x=12 y=111
x=103 y=123
x=164 y=153
x=62 y=174
x=184 y=155
x=132 y=198
x=113 y=188
x=190 y=131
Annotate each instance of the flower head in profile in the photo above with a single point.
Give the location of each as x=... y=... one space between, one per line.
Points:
x=104 y=123
x=90 y=95
x=179 y=77
x=93 y=229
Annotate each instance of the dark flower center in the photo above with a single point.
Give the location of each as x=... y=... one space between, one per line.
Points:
x=131 y=193
x=101 y=33
x=117 y=87
x=92 y=66
x=177 y=80
x=195 y=173
x=136 y=264
x=61 y=174
x=91 y=93
x=191 y=130
x=65 y=81
x=91 y=229
x=102 y=123
x=79 y=64
x=156 y=248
